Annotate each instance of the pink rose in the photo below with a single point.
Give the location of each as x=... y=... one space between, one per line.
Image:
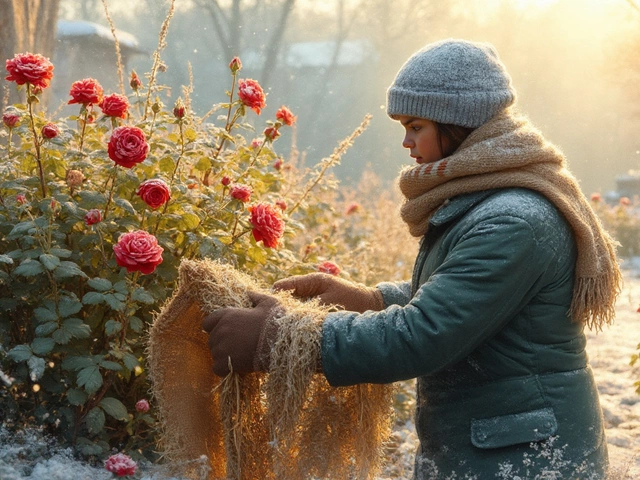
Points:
x=138 y=251
x=282 y=205
x=268 y=226
x=121 y=465
x=329 y=267
x=154 y=193
x=92 y=217
x=251 y=94
x=285 y=116
x=21 y=199
x=625 y=202
x=142 y=406
x=114 y=105
x=10 y=119
x=50 y=130
x=240 y=192
x=128 y=146
x=353 y=208
x=30 y=68
x=86 y=92
x=235 y=65
x=595 y=197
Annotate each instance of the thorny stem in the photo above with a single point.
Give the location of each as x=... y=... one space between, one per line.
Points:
x=84 y=126
x=9 y=144
x=36 y=142
x=113 y=183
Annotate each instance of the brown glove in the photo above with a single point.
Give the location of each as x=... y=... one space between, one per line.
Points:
x=330 y=289
x=242 y=336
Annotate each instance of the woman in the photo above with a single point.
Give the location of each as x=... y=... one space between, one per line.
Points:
x=513 y=264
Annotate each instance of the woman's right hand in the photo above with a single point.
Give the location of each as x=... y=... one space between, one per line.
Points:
x=332 y=290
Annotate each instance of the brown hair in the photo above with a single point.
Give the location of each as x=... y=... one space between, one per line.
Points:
x=450 y=137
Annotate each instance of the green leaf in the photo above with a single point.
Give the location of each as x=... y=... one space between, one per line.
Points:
x=20 y=229
x=61 y=252
x=36 y=368
x=29 y=268
x=77 y=328
x=125 y=205
x=109 y=365
x=42 y=346
x=6 y=259
x=130 y=361
x=91 y=199
x=20 y=353
x=42 y=315
x=46 y=329
x=113 y=302
x=50 y=262
x=92 y=298
x=67 y=270
x=190 y=134
x=100 y=284
x=135 y=324
x=142 y=296
x=88 y=448
x=90 y=378
x=69 y=306
x=121 y=287
x=77 y=363
x=115 y=408
x=112 y=327
x=76 y=397
x=95 y=420
x=190 y=221
x=61 y=336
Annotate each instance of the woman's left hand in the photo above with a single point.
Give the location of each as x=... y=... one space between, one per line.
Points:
x=238 y=337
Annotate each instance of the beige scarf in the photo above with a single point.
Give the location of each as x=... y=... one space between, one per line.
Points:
x=508 y=151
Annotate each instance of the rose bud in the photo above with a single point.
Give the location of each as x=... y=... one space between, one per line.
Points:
x=21 y=199
x=142 y=406
x=225 y=181
x=50 y=130
x=235 y=65
x=278 y=164
x=92 y=217
x=10 y=119
x=271 y=133
x=178 y=110
x=135 y=83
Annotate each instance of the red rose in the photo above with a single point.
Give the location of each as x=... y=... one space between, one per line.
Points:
x=92 y=217
x=121 y=465
x=225 y=181
x=178 y=111
x=285 y=116
x=10 y=119
x=278 y=164
x=271 y=133
x=138 y=251
x=154 y=193
x=50 y=130
x=128 y=146
x=114 y=105
x=21 y=199
x=267 y=224
x=86 y=92
x=329 y=267
x=30 y=68
x=241 y=192
x=595 y=197
x=235 y=65
x=251 y=94
x=282 y=205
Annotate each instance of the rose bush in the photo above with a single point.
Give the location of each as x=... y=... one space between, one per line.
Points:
x=94 y=222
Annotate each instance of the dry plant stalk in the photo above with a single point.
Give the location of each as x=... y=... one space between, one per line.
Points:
x=117 y=45
x=289 y=424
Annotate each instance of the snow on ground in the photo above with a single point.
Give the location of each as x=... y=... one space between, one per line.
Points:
x=30 y=457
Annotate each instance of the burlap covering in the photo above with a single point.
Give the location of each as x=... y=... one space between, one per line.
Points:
x=288 y=424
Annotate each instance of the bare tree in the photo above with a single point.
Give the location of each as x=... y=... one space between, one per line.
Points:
x=27 y=26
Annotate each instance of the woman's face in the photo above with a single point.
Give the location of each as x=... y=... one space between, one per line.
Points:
x=421 y=138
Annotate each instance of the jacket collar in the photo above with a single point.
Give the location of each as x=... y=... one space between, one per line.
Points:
x=455 y=207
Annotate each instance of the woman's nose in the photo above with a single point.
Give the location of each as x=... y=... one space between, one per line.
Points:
x=407 y=142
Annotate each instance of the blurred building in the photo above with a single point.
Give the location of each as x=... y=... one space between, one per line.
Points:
x=86 y=49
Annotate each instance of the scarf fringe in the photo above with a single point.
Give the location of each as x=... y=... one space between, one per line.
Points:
x=593 y=302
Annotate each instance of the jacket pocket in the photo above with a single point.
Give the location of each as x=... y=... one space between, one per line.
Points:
x=507 y=430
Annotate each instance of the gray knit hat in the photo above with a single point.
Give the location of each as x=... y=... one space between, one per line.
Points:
x=452 y=81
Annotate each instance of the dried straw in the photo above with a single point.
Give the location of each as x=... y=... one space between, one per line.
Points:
x=288 y=424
